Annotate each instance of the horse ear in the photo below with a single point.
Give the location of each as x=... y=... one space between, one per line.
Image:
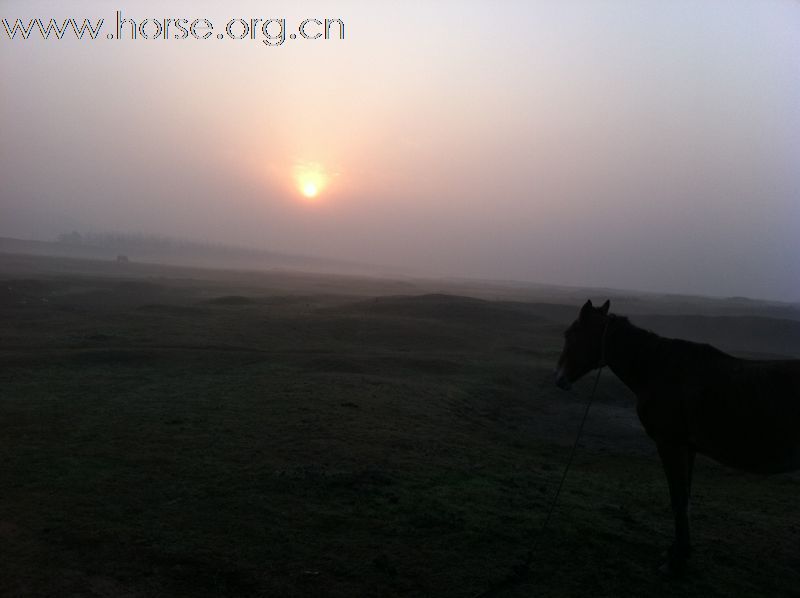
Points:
x=605 y=306
x=586 y=309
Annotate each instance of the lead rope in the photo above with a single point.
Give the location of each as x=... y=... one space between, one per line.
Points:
x=520 y=573
x=569 y=461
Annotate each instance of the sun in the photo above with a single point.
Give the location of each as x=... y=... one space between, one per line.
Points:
x=311 y=178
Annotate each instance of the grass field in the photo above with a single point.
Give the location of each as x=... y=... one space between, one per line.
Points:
x=179 y=432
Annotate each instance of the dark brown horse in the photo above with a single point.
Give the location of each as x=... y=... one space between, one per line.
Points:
x=692 y=398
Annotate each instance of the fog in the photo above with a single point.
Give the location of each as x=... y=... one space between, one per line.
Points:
x=642 y=145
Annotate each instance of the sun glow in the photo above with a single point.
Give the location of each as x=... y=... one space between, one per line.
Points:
x=310 y=190
x=310 y=178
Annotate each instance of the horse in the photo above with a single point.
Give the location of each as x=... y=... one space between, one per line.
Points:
x=691 y=398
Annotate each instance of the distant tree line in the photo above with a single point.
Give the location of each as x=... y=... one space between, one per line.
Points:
x=148 y=244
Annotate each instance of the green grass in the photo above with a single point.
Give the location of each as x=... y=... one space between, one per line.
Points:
x=184 y=438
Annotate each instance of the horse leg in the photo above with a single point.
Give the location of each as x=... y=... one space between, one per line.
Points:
x=689 y=471
x=677 y=461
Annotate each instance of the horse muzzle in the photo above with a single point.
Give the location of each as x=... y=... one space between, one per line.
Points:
x=562 y=381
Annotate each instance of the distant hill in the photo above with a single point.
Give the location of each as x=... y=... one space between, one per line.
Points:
x=754 y=336
x=166 y=250
x=751 y=335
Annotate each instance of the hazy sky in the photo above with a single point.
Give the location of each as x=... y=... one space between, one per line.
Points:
x=637 y=144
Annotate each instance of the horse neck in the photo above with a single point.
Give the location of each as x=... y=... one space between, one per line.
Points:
x=629 y=352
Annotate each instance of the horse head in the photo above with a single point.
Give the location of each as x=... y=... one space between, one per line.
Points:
x=583 y=345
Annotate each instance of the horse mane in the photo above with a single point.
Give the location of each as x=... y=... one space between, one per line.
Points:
x=668 y=345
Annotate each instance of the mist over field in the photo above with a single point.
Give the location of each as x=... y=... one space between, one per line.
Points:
x=648 y=146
